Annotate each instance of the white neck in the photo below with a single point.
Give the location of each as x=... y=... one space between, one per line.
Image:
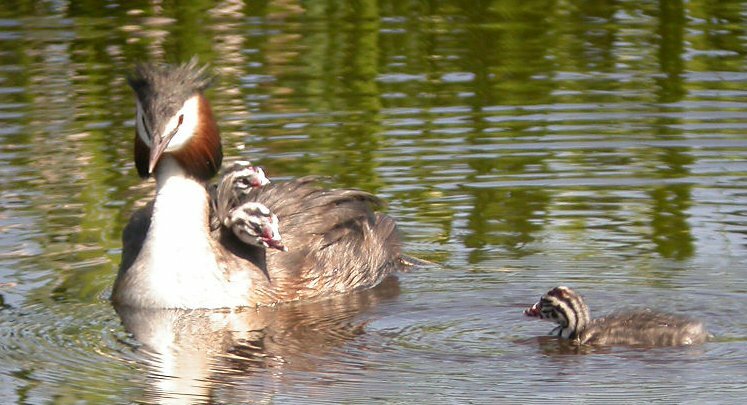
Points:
x=177 y=266
x=179 y=225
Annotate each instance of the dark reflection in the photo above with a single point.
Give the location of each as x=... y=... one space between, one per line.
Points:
x=593 y=22
x=669 y=223
x=723 y=30
x=346 y=81
x=3 y=305
x=507 y=218
x=564 y=352
x=554 y=346
x=504 y=56
x=190 y=354
x=671 y=231
x=671 y=32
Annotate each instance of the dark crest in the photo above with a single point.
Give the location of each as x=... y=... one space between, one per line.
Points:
x=163 y=89
x=169 y=84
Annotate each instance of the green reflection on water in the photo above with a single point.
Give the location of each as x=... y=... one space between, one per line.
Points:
x=411 y=99
x=328 y=58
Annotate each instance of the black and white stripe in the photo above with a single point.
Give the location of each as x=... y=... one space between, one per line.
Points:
x=565 y=307
x=636 y=328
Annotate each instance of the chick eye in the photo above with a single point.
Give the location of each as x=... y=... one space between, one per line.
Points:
x=243 y=183
x=181 y=119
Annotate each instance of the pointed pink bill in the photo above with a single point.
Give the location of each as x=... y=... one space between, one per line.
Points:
x=275 y=244
x=271 y=236
x=533 y=311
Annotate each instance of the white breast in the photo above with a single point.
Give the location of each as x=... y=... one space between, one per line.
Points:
x=177 y=266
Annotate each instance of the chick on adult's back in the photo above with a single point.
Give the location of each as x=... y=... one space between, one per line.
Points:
x=273 y=242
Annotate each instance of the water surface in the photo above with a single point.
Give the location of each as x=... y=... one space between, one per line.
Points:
x=520 y=145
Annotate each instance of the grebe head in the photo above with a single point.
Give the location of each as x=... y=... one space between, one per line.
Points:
x=174 y=118
x=564 y=307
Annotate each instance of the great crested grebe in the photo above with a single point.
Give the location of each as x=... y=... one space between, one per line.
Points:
x=197 y=247
x=636 y=328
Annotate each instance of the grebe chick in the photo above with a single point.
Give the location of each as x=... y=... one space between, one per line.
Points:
x=635 y=328
x=196 y=246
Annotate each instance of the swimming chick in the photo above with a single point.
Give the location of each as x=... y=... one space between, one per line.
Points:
x=565 y=307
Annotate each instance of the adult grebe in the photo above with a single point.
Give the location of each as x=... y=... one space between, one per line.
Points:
x=635 y=328
x=196 y=247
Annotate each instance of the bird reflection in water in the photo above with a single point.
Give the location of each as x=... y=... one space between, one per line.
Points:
x=190 y=353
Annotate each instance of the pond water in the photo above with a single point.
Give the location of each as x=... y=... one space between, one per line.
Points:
x=520 y=145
